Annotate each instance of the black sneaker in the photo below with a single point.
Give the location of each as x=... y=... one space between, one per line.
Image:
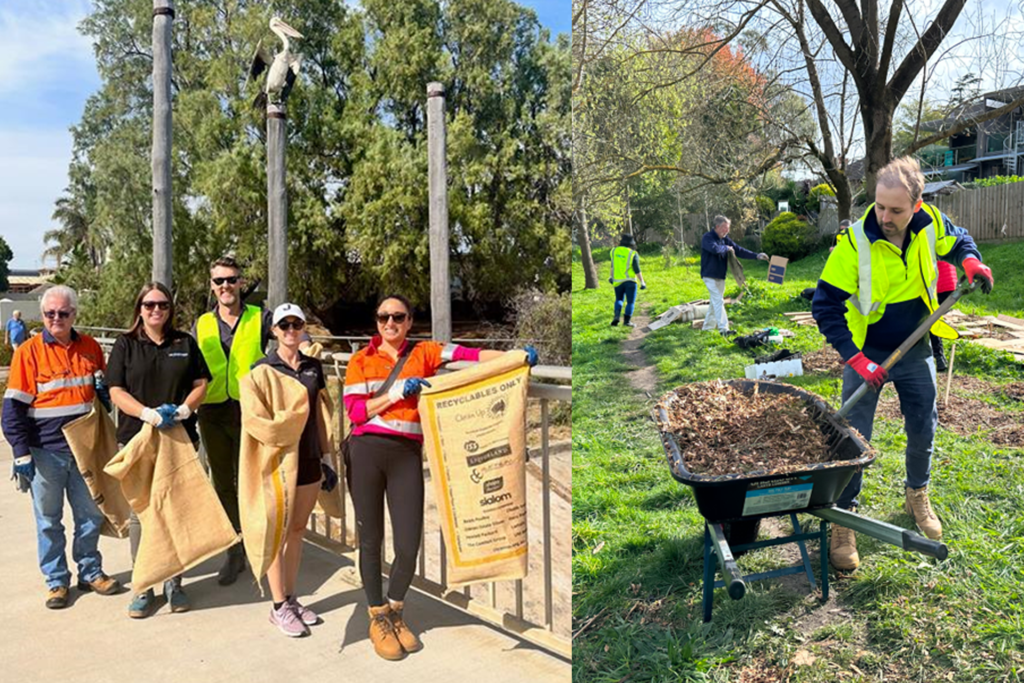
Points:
x=233 y=566
x=615 y=322
x=628 y=325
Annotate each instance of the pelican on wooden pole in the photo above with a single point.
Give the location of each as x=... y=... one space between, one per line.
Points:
x=284 y=67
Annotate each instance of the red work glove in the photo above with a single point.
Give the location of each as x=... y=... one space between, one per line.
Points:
x=972 y=267
x=868 y=369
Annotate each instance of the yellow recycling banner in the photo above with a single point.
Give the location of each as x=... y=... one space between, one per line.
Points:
x=474 y=432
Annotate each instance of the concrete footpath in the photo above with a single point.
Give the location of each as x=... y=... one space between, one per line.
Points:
x=226 y=635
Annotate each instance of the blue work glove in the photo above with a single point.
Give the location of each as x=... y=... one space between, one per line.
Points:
x=330 y=479
x=168 y=413
x=531 y=355
x=406 y=388
x=24 y=472
x=102 y=391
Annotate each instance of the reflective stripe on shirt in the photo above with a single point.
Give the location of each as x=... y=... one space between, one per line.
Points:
x=64 y=382
x=62 y=411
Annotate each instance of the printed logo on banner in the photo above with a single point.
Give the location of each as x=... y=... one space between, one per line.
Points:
x=499 y=452
x=471 y=446
x=498 y=407
x=492 y=485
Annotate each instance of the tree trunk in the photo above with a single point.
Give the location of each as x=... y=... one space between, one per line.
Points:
x=589 y=270
x=877 y=118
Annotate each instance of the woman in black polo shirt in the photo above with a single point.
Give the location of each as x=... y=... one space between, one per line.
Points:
x=288 y=321
x=157 y=375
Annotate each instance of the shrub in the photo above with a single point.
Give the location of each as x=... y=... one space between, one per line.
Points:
x=789 y=236
x=544 y=319
x=765 y=205
x=995 y=180
x=817 y=192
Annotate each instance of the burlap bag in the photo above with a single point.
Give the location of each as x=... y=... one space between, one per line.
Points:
x=274 y=407
x=93 y=441
x=474 y=429
x=331 y=502
x=182 y=520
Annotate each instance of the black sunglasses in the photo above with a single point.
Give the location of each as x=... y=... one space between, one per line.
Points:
x=285 y=325
x=231 y=280
x=399 y=318
x=162 y=305
x=63 y=315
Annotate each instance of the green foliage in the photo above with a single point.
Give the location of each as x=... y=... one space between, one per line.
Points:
x=544 y=319
x=357 y=154
x=787 y=235
x=5 y=258
x=995 y=180
x=765 y=206
x=819 y=191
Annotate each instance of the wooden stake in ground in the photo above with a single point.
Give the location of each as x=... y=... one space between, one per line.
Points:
x=949 y=373
x=163 y=17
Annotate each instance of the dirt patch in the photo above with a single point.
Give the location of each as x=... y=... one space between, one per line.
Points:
x=645 y=377
x=966 y=413
x=826 y=362
x=723 y=431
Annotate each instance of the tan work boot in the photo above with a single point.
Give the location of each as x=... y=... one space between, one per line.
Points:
x=920 y=508
x=408 y=639
x=382 y=634
x=842 y=551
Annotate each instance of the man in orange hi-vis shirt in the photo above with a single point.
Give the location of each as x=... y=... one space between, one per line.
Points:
x=52 y=383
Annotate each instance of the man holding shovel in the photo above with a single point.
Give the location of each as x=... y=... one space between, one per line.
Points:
x=878 y=286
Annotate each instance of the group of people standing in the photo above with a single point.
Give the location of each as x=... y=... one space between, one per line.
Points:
x=162 y=376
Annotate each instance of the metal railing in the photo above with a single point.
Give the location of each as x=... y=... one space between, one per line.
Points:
x=525 y=608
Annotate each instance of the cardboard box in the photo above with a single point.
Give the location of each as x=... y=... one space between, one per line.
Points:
x=777 y=269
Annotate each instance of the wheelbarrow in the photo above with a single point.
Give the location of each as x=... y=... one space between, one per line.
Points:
x=734 y=504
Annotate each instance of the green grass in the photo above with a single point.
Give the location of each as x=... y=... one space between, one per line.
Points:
x=637 y=536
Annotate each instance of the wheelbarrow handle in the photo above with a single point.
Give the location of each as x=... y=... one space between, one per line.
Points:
x=925 y=546
x=962 y=289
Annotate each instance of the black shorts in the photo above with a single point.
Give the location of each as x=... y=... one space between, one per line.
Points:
x=309 y=471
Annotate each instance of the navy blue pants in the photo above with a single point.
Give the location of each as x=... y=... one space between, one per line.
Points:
x=625 y=292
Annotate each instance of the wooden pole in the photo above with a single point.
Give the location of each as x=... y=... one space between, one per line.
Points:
x=949 y=373
x=440 y=287
x=277 y=207
x=163 y=19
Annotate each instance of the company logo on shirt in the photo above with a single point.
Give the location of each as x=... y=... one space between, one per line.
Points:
x=177 y=354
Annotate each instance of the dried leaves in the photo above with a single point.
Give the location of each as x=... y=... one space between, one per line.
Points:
x=827 y=362
x=721 y=431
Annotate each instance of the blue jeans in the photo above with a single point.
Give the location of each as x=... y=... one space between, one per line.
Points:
x=57 y=472
x=625 y=292
x=914 y=379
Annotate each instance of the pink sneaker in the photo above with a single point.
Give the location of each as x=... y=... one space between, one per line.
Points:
x=308 y=616
x=287 y=621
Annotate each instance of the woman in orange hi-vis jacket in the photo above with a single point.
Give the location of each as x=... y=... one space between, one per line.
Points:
x=385 y=458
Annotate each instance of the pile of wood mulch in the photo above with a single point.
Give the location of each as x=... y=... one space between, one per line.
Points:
x=722 y=431
x=967 y=414
x=826 y=362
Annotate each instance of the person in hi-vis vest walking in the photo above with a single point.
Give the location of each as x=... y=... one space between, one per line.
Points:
x=624 y=275
x=231 y=337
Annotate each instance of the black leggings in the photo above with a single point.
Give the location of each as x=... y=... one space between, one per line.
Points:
x=392 y=465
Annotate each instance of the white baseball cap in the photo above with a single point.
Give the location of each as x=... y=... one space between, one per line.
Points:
x=287 y=311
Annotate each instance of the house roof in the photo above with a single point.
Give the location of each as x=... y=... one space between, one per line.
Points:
x=976 y=108
x=941 y=187
x=939 y=170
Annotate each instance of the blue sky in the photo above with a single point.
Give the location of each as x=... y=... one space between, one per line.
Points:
x=47 y=71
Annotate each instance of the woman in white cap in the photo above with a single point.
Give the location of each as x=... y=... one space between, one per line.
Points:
x=287 y=326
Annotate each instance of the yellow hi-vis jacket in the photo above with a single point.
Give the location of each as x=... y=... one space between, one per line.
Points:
x=878 y=276
x=622 y=265
x=246 y=349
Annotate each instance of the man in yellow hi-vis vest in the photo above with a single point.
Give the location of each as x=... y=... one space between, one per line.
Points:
x=624 y=274
x=878 y=286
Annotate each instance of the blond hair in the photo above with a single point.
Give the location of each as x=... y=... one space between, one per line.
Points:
x=904 y=172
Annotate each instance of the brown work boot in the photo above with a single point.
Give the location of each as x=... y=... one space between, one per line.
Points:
x=842 y=551
x=408 y=639
x=57 y=597
x=382 y=634
x=920 y=508
x=102 y=584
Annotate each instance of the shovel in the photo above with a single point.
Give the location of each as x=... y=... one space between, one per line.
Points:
x=961 y=290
